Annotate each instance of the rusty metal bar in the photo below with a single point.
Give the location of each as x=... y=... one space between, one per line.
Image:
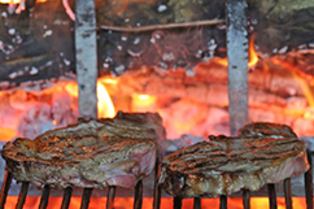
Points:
x=288 y=193
x=197 y=203
x=5 y=188
x=22 y=195
x=110 y=197
x=86 y=57
x=237 y=53
x=138 y=196
x=177 y=202
x=308 y=179
x=272 y=196
x=246 y=199
x=66 y=198
x=44 y=197
x=86 y=197
x=157 y=189
x=223 y=202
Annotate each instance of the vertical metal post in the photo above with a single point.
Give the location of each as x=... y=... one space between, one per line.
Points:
x=86 y=57
x=237 y=52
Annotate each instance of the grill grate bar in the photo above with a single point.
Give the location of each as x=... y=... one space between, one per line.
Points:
x=22 y=195
x=66 y=198
x=110 y=197
x=138 y=195
x=197 y=203
x=272 y=196
x=5 y=188
x=246 y=199
x=157 y=188
x=288 y=193
x=177 y=202
x=44 y=197
x=223 y=202
x=86 y=197
x=308 y=180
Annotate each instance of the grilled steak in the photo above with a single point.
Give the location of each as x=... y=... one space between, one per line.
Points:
x=93 y=153
x=262 y=153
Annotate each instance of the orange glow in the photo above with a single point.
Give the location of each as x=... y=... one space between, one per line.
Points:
x=7 y=133
x=18 y=1
x=253 y=58
x=143 y=102
x=105 y=105
x=166 y=203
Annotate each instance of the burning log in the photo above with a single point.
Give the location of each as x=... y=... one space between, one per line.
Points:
x=46 y=29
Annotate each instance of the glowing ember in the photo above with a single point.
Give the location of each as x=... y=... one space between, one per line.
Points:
x=143 y=103
x=166 y=203
x=28 y=114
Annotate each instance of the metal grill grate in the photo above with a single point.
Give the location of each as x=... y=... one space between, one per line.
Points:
x=138 y=194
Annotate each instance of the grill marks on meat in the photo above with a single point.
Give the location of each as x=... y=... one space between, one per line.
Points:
x=226 y=165
x=92 y=153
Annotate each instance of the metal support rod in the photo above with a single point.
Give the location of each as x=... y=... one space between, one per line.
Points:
x=197 y=203
x=272 y=196
x=246 y=199
x=288 y=193
x=223 y=202
x=5 y=188
x=308 y=179
x=44 y=197
x=22 y=195
x=177 y=202
x=138 y=195
x=66 y=198
x=110 y=197
x=86 y=197
x=86 y=57
x=157 y=189
x=237 y=53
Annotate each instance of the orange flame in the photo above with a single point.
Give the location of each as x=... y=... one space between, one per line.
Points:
x=253 y=58
x=105 y=105
x=143 y=102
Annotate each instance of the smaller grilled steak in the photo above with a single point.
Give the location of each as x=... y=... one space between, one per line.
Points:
x=93 y=153
x=224 y=165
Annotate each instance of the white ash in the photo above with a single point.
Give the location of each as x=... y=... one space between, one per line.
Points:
x=124 y=38
x=47 y=33
x=13 y=75
x=4 y=14
x=283 y=50
x=119 y=47
x=135 y=54
x=33 y=71
x=127 y=20
x=152 y=40
x=136 y=41
x=168 y=56
x=162 y=8
x=66 y=62
x=138 y=24
x=11 y=31
x=105 y=65
x=189 y=72
x=120 y=69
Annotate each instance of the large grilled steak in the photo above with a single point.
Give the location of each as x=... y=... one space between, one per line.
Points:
x=262 y=153
x=93 y=153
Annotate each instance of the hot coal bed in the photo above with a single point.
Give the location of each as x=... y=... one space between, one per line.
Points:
x=172 y=50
